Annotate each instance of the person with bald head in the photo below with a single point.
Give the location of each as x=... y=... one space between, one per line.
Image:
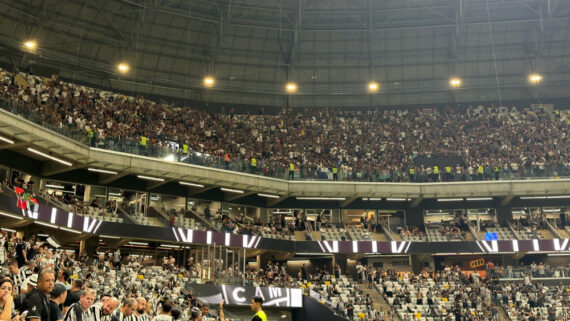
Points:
x=129 y=307
x=104 y=309
x=141 y=314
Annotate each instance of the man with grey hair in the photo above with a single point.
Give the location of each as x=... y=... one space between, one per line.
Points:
x=38 y=302
x=129 y=307
x=81 y=311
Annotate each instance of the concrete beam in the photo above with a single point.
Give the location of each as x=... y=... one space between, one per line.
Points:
x=507 y=199
x=53 y=168
x=109 y=179
x=15 y=145
x=416 y=202
x=202 y=190
x=348 y=201
x=233 y=196
x=274 y=201
x=153 y=185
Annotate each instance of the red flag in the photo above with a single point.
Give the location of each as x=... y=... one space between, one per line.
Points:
x=34 y=200
x=18 y=190
x=22 y=204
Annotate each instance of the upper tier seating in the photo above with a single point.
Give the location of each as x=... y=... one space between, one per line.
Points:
x=377 y=145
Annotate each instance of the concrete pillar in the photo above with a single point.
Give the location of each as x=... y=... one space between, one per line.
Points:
x=414 y=216
x=503 y=213
x=87 y=194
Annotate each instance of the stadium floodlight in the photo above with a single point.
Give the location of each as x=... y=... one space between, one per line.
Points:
x=31 y=45
x=229 y=190
x=55 y=159
x=123 y=68
x=373 y=87
x=209 y=81
x=455 y=82
x=291 y=87
x=534 y=79
x=6 y=140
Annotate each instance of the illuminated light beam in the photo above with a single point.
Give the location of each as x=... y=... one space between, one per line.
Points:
x=70 y=220
x=228 y=237
x=354 y=247
x=374 y=247
x=53 y=215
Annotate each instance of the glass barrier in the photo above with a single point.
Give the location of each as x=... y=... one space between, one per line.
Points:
x=535 y=272
x=157 y=149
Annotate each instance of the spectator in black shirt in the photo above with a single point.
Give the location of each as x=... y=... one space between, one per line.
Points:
x=38 y=303
x=74 y=294
x=57 y=297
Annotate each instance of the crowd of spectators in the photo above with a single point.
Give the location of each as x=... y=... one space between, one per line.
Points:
x=375 y=145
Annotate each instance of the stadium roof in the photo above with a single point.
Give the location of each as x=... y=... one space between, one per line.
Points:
x=330 y=48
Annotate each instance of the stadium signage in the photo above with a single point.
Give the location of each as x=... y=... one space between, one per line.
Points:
x=241 y=295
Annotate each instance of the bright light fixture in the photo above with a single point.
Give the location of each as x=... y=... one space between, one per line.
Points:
x=449 y=199
x=11 y=215
x=191 y=184
x=170 y=158
x=479 y=198
x=395 y=199
x=54 y=186
x=148 y=178
x=291 y=87
x=267 y=195
x=372 y=198
x=229 y=190
x=209 y=81
x=104 y=171
x=373 y=86
x=55 y=159
x=70 y=230
x=123 y=68
x=321 y=198
x=138 y=243
x=6 y=140
x=544 y=197
x=534 y=78
x=45 y=224
x=31 y=45
x=455 y=82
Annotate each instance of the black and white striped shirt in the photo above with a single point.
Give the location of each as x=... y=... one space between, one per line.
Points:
x=76 y=313
x=18 y=279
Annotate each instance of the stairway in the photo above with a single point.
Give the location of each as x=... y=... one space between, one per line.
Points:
x=546 y=234
x=203 y=220
x=503 y=316
x=381 y=237
x=565 y=233
x=379 y=302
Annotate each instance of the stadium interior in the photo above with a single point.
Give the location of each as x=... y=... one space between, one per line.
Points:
x=395 y=160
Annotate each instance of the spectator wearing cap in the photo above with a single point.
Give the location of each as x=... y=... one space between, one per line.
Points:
x=56 y=299
x=255 y=305
x=81 y=310
x=38 y=302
